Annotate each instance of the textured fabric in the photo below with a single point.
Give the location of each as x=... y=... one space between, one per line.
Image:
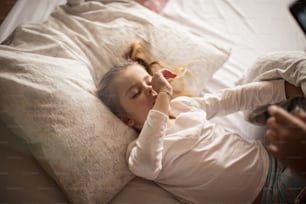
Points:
x=50 y=104
x=282 y=185
x=290 y=66
x=198 y=160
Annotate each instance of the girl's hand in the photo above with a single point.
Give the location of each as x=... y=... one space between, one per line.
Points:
x=160 y=84
x=160 y=80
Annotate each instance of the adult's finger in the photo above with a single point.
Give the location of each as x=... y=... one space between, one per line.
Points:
x=273 y=131
x=301 y=116
x=273 y=149
x=282 y=117
x=277 y=153
x=271 y=136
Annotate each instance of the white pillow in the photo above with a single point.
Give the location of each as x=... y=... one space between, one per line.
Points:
x=51 y=103
x=100 y=34
x=49 y=81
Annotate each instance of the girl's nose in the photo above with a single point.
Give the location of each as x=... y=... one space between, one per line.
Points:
x=150 y=91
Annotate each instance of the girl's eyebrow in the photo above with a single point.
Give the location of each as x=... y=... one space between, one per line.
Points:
x=134 y=85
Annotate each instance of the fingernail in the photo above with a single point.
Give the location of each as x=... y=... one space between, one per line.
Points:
x=272 y=148
x=272 y=109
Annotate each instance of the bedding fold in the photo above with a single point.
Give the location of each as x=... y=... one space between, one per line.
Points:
x=287 y=65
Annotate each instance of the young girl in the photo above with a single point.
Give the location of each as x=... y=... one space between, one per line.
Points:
x=182 y=151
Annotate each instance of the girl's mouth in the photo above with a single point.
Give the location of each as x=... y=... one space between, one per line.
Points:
x=154 y=100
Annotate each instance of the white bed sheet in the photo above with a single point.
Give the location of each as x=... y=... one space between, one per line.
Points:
x=251 y=28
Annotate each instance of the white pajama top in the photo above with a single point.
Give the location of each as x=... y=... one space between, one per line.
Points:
x=197 y=160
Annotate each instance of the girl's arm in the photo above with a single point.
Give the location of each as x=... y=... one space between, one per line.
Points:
x=145 y=157
x=245 y=97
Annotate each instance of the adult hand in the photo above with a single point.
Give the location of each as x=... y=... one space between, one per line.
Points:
x=286 y=136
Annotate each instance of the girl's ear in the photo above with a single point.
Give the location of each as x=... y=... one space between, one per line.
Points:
x=129 y=122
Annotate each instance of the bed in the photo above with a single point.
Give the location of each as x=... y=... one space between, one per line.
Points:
x=55 y=136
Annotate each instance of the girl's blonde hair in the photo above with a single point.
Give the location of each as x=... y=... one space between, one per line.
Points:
x=136 y=54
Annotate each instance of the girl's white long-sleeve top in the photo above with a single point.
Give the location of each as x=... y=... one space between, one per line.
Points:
x=199 y=161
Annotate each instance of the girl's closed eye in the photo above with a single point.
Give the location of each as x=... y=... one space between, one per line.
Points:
x=136 y=93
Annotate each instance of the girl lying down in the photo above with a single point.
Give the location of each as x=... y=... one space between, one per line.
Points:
x=185 y=153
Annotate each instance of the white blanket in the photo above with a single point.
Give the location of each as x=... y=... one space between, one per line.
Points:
x=290 y=66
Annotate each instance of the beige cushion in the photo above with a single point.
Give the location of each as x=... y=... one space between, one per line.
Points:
x=141 y=191
x=21 y=177
x=50 y=103
x=48 y=78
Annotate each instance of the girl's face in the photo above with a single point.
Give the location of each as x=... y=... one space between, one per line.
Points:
x=135 y=94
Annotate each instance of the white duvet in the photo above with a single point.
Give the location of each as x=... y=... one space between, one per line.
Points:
x=290 y=66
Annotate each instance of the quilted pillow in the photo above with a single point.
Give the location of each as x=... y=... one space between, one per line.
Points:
x=48 y=78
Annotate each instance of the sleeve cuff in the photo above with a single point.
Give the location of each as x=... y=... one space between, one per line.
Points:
x=279 y=89
x=158 y=115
